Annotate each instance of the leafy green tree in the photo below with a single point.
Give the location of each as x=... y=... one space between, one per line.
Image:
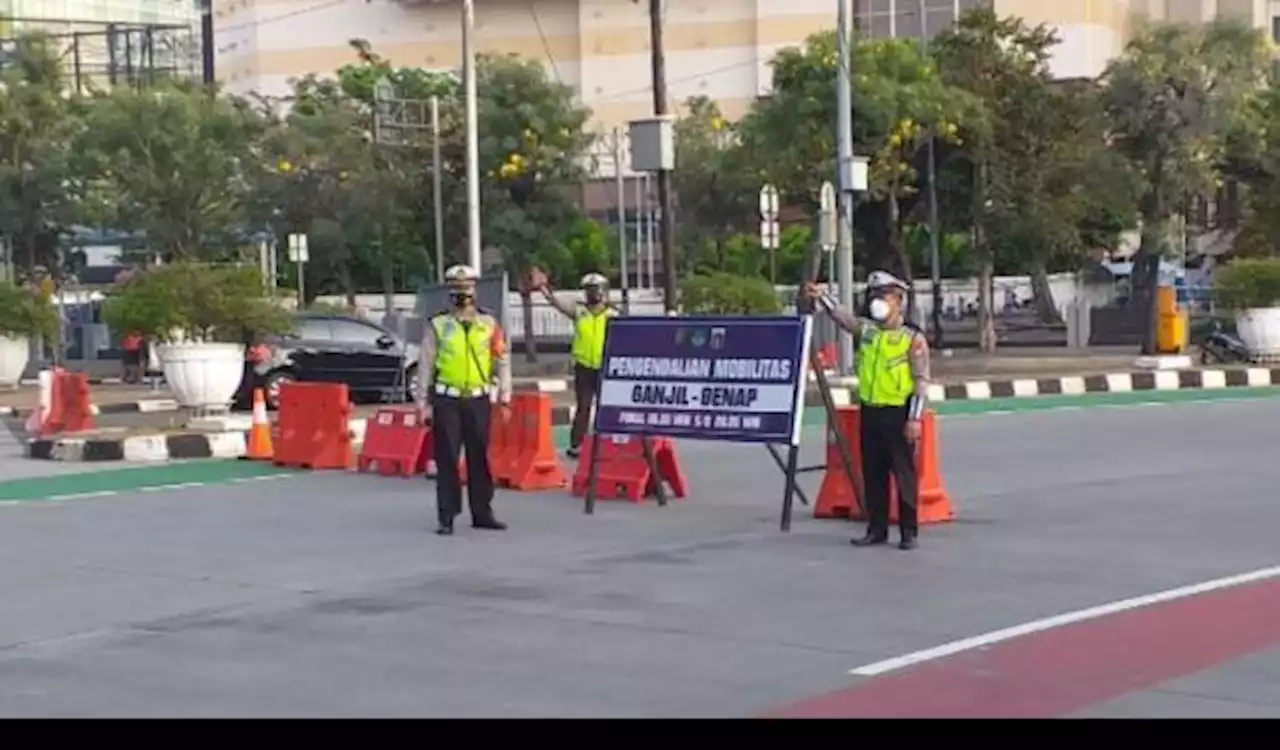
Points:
x=1054 y=190
x=1173 y=98
x=586 y=245
x=743 y=255
x=900 y=100
x=716 y=189
x=37 y=126
x=404 y=243
x=169 y=162
x=1001 y=62
x=317 y=173
x=1255 y=164
x=532 y=146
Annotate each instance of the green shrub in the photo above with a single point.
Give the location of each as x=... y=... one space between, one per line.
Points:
x=195 y=302
x=727 y=294
x=26 y=313
x=1248 y=283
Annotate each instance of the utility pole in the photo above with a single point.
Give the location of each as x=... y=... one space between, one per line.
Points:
x=935 y=263
x=207 y=50
x=473 y=137
x=665 y=198
x=844 y=169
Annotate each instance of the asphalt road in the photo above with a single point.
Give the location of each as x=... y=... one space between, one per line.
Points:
x=328 y=595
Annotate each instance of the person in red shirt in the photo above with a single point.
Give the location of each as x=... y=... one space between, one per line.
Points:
x=133 y=346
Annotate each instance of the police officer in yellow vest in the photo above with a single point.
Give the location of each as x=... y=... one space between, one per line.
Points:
x=590 y=320
x=893 y=386
x=464 y=355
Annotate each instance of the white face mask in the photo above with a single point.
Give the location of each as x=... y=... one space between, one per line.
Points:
x=880 y=310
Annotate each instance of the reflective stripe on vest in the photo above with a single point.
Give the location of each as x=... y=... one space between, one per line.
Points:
x=463 y=357
x=588 y=337
x=884 y=366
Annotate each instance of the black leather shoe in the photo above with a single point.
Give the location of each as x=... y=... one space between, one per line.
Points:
x=445 y=529
x=870 y=540
x=489 y=524
x=908 y=540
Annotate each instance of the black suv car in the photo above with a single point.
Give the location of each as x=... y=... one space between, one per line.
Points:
x=374 y=362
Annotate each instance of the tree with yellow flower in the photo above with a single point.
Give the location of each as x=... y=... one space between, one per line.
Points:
x=899 y=100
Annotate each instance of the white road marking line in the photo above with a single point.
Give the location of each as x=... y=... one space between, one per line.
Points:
x=1057 y=621
x=175 y=486
x=81 y=495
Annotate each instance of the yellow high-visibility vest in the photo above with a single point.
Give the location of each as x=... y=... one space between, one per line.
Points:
x=588 y=336
x=884 y=366
x=464 y=357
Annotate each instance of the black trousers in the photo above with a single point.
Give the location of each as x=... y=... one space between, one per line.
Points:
x=586 y=386
x=459 y=423
x=885 y=452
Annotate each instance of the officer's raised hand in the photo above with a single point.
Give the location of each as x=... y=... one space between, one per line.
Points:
x=537 y=278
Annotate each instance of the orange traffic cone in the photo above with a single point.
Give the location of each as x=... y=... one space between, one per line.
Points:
x=259 y=447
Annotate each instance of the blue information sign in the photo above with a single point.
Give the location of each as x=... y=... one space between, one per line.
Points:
x=733 y=379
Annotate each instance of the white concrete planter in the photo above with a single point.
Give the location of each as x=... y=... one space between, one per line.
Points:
x=202 y=376
x=1259 y=330
x=14 y=354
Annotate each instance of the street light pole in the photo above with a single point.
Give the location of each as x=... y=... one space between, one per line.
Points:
x=473 y=137
x=935 y=263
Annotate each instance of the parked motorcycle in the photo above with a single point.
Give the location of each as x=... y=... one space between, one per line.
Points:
x=1223 y=348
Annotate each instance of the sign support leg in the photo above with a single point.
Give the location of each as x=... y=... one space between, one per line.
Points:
x=782 y=466
x=793 y=455
x=651 y=460
x=593 y=475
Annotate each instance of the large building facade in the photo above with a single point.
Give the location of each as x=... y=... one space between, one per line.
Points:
x=717 y=48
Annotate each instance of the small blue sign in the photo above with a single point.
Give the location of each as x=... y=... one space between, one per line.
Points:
x=730 y=379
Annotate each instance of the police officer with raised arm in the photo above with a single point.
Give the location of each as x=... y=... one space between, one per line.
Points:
x=464 y=351
x=893 y=386
x=589 y=322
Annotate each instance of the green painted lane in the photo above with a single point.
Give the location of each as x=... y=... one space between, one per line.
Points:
x=1094 y=400
x=209 y=472
x=113 y=481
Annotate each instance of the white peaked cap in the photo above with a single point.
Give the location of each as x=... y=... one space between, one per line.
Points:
x=881 y=279
x=460 y=272
x=594 y=279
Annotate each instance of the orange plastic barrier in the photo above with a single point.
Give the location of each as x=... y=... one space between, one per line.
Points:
x=504 y=447
x=71 y=405
x=623 y=473
x=313 y=420
x=534 y=464
x=836 y=497
x=393 y=441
